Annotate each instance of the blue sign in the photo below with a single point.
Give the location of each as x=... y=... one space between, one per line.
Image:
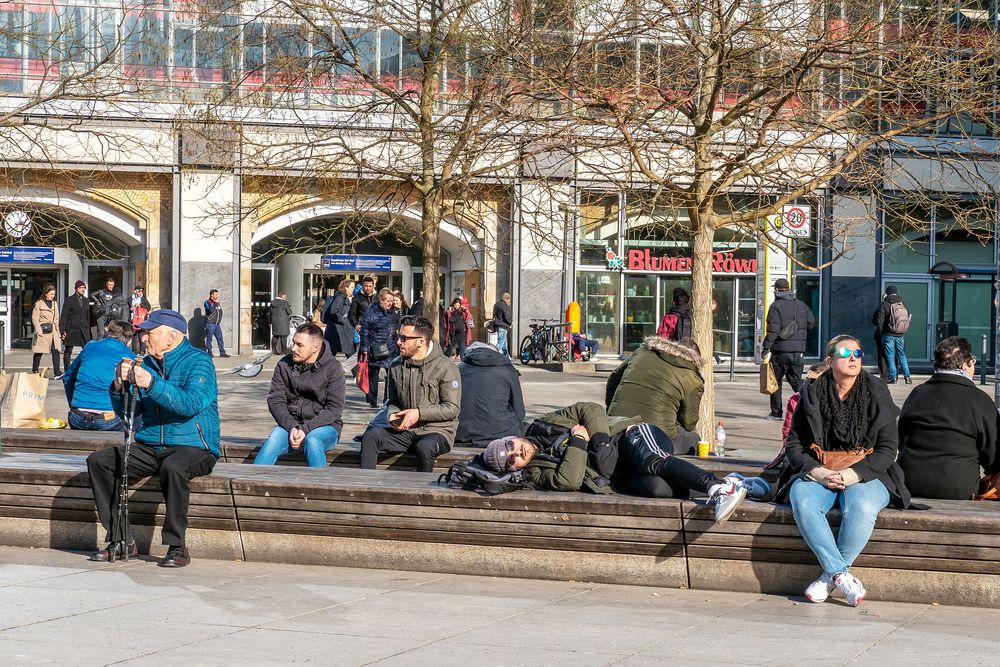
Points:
x=360 y=263
x=27 y=255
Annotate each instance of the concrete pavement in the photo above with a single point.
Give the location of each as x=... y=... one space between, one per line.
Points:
x=60 y=609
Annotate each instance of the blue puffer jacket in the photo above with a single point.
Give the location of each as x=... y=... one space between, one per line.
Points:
x=379 y=326
x=90 y=377
x=181 y=407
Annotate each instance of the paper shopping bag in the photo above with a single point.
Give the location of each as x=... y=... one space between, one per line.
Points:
x=23 y=403
x=768 y=380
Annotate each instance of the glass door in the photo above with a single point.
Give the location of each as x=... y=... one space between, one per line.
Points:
x=27 y=287
x=974 y=312
x=597 y=294
x=640 y=310
x=5 y=314
x=916 y=294
x=261 y=294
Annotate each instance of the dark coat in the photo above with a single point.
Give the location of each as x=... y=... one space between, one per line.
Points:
x=359 y=306
x=503 y=315
x=947 y=430
x=379 y=326
x=808 y=427
x=308 y=396
x=339 y=332
x=431 y=385
x=75 y=320
x=881 y=317
x=492 y=404
x=785 y=309
x=281 y=317
x=456 y=325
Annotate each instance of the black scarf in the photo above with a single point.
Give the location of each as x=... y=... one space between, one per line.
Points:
x=846 y=421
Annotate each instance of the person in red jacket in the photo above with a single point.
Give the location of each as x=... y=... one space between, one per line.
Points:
x=676 y=324
x=814 y=372
x=458 y=328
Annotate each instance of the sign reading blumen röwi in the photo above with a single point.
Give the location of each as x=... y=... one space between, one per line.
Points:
x=643 y=259
x=357 y=263
x=27 y=255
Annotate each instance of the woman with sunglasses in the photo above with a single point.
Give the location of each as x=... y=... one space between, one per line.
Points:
x=844 y=410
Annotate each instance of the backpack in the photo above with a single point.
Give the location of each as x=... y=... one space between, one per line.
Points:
x=899 y=318
x=474 y=475
x=682 y=329
x=118 y=310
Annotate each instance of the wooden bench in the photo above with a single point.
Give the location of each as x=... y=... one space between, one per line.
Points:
x=404 y=520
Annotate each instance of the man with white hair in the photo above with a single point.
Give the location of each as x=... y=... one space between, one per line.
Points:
x=179 y=436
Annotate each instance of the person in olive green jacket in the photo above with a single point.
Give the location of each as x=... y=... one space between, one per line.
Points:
x=604 y=455
x=661 y=384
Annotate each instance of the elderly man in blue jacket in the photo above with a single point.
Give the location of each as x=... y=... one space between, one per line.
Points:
x=179 y=436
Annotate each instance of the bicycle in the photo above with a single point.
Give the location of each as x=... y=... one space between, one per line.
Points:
x=542 y=344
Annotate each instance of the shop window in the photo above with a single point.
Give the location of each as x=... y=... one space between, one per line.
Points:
x=253 y=46
x=906 y=239
x=597 y=294
x=640 y=310
x=650 y=223
x=807 y=291
x=598 y=227
x=964 y=235
x=389 y=57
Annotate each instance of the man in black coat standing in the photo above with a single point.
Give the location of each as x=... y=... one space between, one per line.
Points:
x=788 y=321
x=281 y=318
x=948 y=428
x=99 y=302
x=74 y=323
x=362 y=302
x=492 y=403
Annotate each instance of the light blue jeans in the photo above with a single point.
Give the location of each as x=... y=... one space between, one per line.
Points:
x=859 y=506
x=317 y=443
x=894 y=349
x=502 y=344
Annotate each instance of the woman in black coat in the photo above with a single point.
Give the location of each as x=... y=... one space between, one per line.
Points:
x=339 y=333
x=379 y=328
x=75 y=321
x=844 y=409
x=948 y=428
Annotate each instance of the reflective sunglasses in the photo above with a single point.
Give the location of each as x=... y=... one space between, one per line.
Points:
x=846 y=352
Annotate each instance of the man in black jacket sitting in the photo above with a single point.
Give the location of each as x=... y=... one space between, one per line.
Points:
x=788 y=320
x=948 y=428
x=306 y=400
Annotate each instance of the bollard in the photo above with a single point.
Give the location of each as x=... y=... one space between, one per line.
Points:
x=3 y=344
x=982 y=368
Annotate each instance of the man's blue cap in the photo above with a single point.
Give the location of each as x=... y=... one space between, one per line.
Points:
x=164 y=316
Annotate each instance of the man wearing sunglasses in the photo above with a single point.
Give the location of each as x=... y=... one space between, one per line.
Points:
x=788 y=321
x=425 y=395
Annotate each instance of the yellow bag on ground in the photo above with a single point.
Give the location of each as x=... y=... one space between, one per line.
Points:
x=23 y=403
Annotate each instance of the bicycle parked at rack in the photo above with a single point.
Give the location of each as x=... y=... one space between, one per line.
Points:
x=545 y=343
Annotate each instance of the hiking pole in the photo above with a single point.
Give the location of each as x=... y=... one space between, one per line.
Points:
x=119 y=543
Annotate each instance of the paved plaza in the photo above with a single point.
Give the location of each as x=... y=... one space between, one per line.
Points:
x=57 y=608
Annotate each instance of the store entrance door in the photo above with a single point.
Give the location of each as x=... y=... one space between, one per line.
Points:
x=19 y=289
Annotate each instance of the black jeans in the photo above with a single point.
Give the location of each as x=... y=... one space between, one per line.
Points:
x=175 y=466
x=425 y=447
x=786 y=365
x=36 y=361
x=279 y=344
x=373 y=376
x=652 y=470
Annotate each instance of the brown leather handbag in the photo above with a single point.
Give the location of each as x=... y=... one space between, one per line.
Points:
x=989 y=487
x=837 y=459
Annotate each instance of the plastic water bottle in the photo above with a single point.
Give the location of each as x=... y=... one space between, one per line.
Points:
x=720 y=440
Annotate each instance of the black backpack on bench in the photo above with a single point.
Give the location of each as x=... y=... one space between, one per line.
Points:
x=474 y=475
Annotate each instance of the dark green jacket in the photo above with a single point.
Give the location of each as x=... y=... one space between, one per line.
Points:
x=571 y=471
x=433 y=386
x=661 y=384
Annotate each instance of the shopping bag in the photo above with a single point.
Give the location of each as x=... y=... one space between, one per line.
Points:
x=768 y=380
x=362 y=377
x=23 y=403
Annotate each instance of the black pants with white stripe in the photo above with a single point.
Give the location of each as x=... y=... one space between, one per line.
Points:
x=647 y=466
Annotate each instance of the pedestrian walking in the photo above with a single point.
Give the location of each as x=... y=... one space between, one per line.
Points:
x=788 y=321
x=99 y=302
x=379 y=328
x=281 y=318
x=503 y=321
x=339 y=333
x=47 y=338
x=139 y=310
x=458 y=329
x=892 y=320
x=213 y=323
x=74 y=322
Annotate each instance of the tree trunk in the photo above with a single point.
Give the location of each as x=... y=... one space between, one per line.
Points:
x=701 y=317
x=430 y=235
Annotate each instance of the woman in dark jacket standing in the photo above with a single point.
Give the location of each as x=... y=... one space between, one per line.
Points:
x=458 y=329
x=379 y=328
x=843 y=409
x=339 y=333
x=74 y=323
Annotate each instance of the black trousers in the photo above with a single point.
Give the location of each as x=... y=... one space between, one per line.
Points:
x=36 y=361
x=651 y=470
x=175 y=466
x=786 y=365
x=279 y=344
x=425 y=447
x=373 y=375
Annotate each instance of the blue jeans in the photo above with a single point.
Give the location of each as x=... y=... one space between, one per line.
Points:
x=893 y=346
x=214 y=331
x=859 y=506
x=502 y=345
x=317 y=443
x=90 y=421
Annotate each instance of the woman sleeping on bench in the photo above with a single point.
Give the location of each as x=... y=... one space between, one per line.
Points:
x=580 y=448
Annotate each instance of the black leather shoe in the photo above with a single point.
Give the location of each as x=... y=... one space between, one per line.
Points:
x=176 y=557
x=105 y=554
x=907 y=380
x=225 y=356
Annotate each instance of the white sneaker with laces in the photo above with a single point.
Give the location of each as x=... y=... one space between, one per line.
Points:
x=819 y=590
x=851 y=587
x=726 y=497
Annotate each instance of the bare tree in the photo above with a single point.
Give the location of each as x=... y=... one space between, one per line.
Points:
x=729 y=111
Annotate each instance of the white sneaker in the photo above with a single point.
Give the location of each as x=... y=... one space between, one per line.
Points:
x=851 y=587
x=819 y=590
x=726 y=497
